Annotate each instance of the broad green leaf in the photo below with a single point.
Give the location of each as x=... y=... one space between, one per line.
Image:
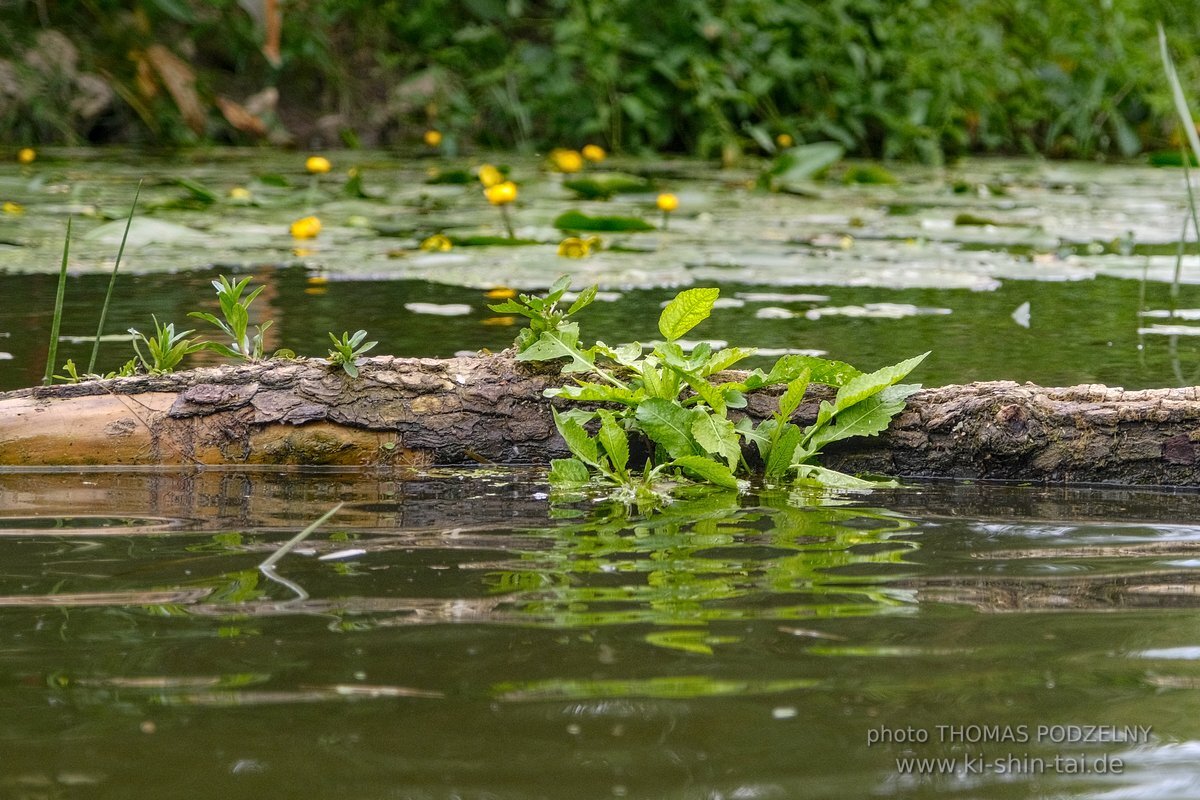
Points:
x=668 y=424
x=832 y=479
x=761 y=436
x=717 y=436
x=706 y=469
x=686 y=311
x=710 y=394
x=558 y=288
x=866 y=418
x=575 y=220
x=726 y=358
x=625 y=354
x=584 y=299
x=615 y=442
x=597 y=393
x=779 y=460
x=568 y=472
x=820 y=370
x=733 y=397
x=581 y=445
x=864 y=386
x=561 y=343
x=793 y=396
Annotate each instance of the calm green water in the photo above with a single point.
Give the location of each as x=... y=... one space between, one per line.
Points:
x=455 y=634
x=461 y=639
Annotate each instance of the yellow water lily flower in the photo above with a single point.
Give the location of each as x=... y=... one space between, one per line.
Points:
x=317 y=165
x=502 y=321
x=432 y=138
x=667 y=202
x=574 y=247
x=594 y=153
x=13 y=208
x=501 y=194
x=784 y=140
x=489 y=176
x=500 y=293
x=239 y=193
x=306 y=228
x=26 y=155
x=437 y=242
x=566 y=160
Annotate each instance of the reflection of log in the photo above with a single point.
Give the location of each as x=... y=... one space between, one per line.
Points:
x=434 y=411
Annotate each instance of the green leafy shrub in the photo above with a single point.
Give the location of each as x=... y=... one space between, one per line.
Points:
x=667 y=399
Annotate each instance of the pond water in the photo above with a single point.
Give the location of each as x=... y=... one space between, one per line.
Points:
x=452 y=635
x=457 y=633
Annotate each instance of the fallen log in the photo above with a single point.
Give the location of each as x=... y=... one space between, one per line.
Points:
x=423 y=411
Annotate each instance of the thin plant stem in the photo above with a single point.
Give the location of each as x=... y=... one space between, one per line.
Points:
x=112 y=282
x=267 y=567
x=52 y=354
x=507 y=221
x=290 y=544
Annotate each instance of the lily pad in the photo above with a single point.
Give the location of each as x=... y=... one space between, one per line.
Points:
x=491 y=241
x=144 y=231
x=794 y=169
x=602 y=186
x=575 y=220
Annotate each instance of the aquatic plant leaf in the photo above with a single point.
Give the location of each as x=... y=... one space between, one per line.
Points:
x=615 y=442
x=868 y=417
x=783 y=451
x=580 y=444
x=568 y=472
x=687 y=310
x=708 y=470
x=726 y=358
x=575 y=220
x=863 y=386
x=794 y=395
x=668 y=424
x=717 y=435
x=832 y=479
x=561 y=343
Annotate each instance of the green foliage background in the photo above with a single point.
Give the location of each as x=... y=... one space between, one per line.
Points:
x=920 y=79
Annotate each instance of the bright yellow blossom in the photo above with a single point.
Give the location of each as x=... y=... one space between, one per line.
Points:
x=26 y=155
x=13 y=208
x=501 y=194
x=566 y=160
x=433 y=138
x=306 y=228
x=489 y=176
x=239 y=193
x=500 y=293
x=574 y=247
x=667 y=202
x=784 y=140
x=437 y=242
x=594 y=153
x=317 y=165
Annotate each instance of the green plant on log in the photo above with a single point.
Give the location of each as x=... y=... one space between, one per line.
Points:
x=166 y=348
x=678 y=410
x=72 y=375
x=545 y=315
x=347 y=350
x=236 y=322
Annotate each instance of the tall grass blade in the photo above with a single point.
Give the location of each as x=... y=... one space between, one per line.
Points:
x=267 y=567
x=52 y=355
x=1181 y=104
x=112 y=282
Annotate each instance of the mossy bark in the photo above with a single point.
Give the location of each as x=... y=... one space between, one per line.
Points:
x=490 y=408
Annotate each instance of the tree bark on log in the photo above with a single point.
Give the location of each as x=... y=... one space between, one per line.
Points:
x=426 y=411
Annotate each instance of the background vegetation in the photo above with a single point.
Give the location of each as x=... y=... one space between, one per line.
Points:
x=920 y=79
